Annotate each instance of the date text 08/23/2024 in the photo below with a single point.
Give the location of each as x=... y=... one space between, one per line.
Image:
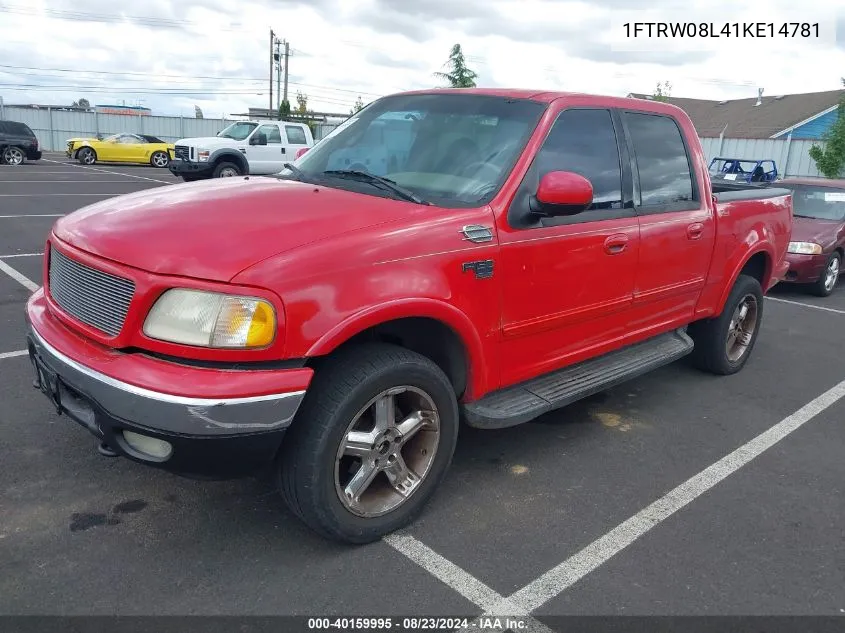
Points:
x=417 y=623
x=761 y=30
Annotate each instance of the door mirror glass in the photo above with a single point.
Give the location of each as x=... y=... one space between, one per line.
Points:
x=563 y=193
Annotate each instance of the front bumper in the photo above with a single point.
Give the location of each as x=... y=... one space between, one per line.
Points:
x=219 y=437
x=179 y=167
x=804 y=269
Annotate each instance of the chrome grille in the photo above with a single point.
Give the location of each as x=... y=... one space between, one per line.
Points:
x=96 y=298
x=182 y=152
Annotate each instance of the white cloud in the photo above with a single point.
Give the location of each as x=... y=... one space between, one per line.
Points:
x=374 y=47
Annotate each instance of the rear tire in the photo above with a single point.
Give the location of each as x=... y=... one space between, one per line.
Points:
x=226 y=170
x=13 y=156
x=826 y=283
x=723 y=344
x=351 y=419
x=86 y=156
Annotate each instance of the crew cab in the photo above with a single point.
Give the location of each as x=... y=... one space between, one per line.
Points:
x=500 y=254
x=244 y=147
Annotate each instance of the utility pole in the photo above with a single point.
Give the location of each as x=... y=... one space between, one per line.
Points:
x=278 y=76
x=287 y=57
x=272 y=40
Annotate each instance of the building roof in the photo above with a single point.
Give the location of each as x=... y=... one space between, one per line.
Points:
x=745 y=120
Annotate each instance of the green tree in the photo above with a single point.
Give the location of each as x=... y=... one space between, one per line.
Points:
x=359 y=105
x=81 y=103
x=301 y=103
x=459 y=76
x=284 y=110
x=830 y=159
x=662 y=92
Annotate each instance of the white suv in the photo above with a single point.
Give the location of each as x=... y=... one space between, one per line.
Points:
x=245 y=147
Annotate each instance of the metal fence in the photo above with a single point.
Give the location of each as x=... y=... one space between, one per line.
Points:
x=792 y=156
x=54 y=127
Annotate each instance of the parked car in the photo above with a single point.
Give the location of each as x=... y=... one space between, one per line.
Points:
x=244 y=147
x=817 y=245
x=121 y=148
x=18 y=143
x=525 y=250
x=745 y=170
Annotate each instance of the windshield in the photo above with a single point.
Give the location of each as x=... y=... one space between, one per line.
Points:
x=238 y=131
x=453 y=150
x=823 y=203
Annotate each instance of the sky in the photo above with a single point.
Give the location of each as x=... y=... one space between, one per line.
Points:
x=170 y=55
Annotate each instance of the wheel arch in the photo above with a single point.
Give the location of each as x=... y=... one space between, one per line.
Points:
x=433 y=329
x=233 y=157
x=757 y=264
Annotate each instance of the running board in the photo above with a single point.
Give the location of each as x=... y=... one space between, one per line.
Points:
x=531 y=399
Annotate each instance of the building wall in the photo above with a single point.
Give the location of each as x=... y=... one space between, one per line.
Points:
x=54 y=127
x=815 y=129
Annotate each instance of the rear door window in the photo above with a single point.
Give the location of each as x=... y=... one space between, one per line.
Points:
x=665 y=175
x=296 y=135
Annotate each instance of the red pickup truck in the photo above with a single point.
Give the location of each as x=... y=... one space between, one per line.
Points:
x=483 y=256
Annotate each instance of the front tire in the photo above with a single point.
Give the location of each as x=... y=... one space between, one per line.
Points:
x=226 y=170
x=826 y=283
x=372 y=441
x=159 y=159
x=86 y=156
x=723 y=344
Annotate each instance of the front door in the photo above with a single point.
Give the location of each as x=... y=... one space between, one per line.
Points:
x=568 y=282
x=677 y=228
x=130 y=149
x=269 y=158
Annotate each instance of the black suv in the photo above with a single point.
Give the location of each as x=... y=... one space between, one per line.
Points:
x=17 y=142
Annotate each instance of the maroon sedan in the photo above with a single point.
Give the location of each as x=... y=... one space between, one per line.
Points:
x=818 y=232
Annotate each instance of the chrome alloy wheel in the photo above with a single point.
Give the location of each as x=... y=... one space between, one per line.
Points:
x=13 y=156
x=741 y=329
x=387 y=451
x=831 y=274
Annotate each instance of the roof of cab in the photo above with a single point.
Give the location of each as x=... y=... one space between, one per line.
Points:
x=547 y=96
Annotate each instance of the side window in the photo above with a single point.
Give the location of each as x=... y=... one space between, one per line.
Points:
x=662 y=163
x=296 y=135
x=584 y=142
x=128 y=139
x=274 y=136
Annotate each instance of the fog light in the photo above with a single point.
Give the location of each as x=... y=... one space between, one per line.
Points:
x=148 y=445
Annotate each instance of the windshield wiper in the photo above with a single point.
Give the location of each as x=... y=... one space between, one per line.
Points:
x=386 y=183
x=298 y=174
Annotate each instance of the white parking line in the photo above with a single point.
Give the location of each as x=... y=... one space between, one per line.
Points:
x=116 y=173
x=560 y=578
x=21 y=255
x=20 y=352
x=26 y=282
x=806 y=305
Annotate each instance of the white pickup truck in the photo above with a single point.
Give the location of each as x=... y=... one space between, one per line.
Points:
x=245 y=147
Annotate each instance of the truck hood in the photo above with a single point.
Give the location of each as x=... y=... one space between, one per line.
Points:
x=210 y=142
x=823 y=232
x=214 y=229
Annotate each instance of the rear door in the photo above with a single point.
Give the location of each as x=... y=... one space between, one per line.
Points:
x=297 y=137
x=567 y=282
x=677 y=227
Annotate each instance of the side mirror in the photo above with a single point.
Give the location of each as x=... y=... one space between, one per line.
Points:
x=301 y=151
x=258 y=139
x=562 y=193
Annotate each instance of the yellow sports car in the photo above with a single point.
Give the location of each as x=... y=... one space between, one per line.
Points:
x=121 y=148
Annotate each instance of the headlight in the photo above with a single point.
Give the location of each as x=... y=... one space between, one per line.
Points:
x=202 y=155
x=805 y=248
x=211 y=319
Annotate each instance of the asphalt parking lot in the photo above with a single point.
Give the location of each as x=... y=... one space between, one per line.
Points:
x=679 y=493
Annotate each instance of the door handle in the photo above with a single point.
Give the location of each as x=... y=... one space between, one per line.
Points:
x=615 y=244
x=283 y=151
x=695 y=230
